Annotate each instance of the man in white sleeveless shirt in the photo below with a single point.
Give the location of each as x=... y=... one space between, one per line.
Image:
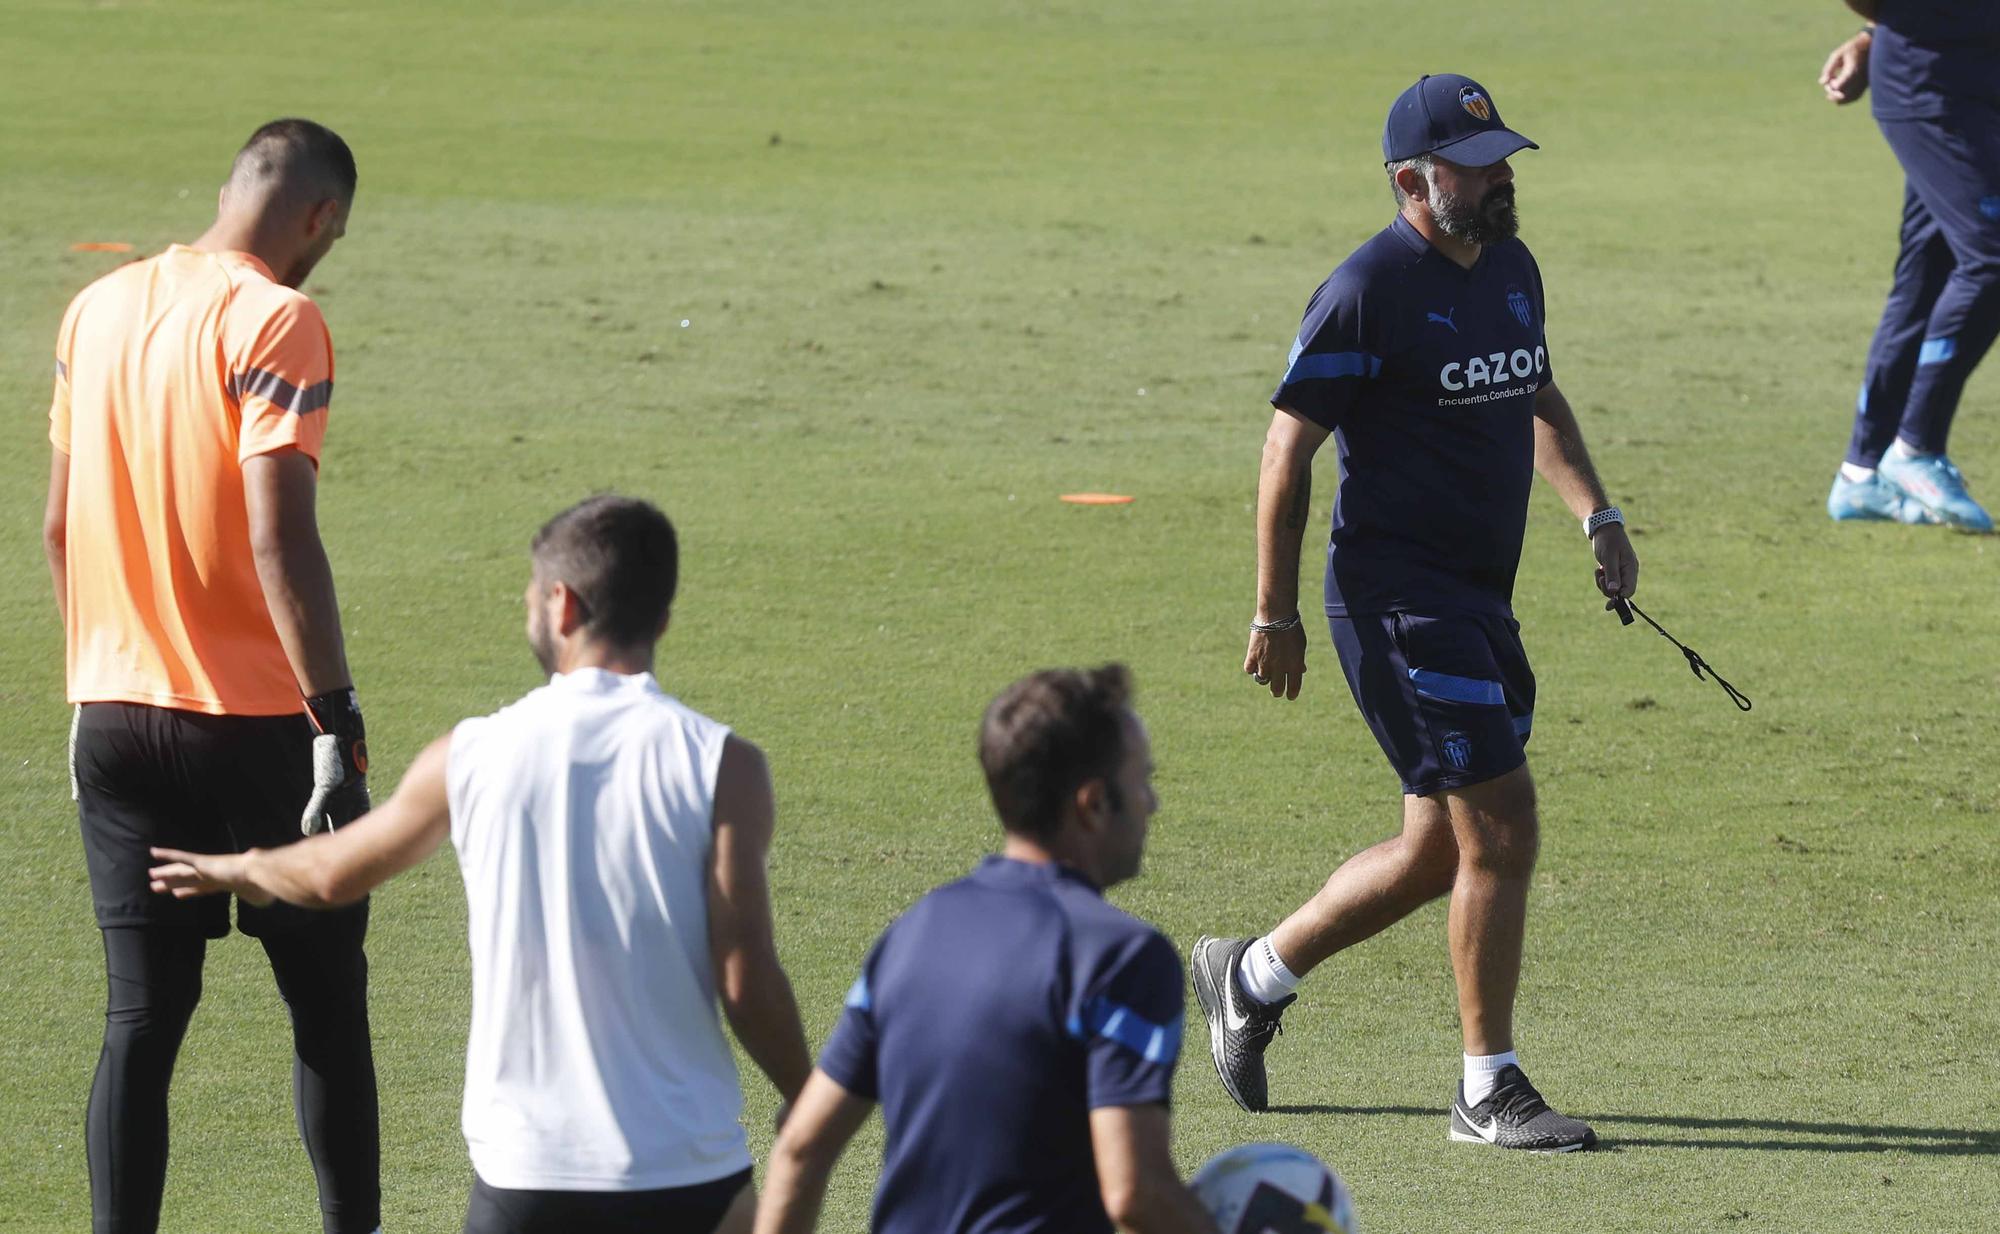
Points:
x=613 y=847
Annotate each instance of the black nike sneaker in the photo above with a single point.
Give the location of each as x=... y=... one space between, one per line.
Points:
x=1515 y=1116
x=1239 y=1027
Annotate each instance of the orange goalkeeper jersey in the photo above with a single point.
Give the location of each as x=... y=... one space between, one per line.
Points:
x=170 y=373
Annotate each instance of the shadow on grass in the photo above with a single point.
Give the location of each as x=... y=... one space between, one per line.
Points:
x=1849 y=1137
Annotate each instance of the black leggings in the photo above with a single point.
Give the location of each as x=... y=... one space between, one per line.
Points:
x=155 y=982
x=149 y=776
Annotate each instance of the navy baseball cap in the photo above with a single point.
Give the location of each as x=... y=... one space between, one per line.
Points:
x=1452 y=117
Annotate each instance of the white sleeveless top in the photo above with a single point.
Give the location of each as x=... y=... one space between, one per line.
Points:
x=583 y=816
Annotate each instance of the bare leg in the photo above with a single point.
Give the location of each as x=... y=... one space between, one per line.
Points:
x=1479 y=844
x=1374 y=889
x=1497 y=835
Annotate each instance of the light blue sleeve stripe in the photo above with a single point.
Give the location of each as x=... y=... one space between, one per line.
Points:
x=1937 y=350
x=1452 y=689
x=1523 y=725
x=1156 y=1043
x=858 y=996
x=1329 y=364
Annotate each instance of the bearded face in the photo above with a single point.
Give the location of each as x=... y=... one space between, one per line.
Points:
x=1489 y=220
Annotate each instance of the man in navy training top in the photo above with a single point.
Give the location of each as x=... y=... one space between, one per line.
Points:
x=1424 y=356
x=1019 y=1032
x=1936 y=70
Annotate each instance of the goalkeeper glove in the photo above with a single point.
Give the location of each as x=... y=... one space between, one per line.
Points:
x=339 y=762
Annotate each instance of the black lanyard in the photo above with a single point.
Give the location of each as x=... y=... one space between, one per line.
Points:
x=1700 y=667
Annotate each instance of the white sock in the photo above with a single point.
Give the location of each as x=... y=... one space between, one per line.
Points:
x=1900 y=450
x=1480 y=1070
x=1855 y=473
x=1264 y=976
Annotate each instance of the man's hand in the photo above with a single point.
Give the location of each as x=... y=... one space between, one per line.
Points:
x=335 y=869
x=1617 y=564
x=186 y=875
x=1845 y=75
x=1278 y=659
x=340 y=762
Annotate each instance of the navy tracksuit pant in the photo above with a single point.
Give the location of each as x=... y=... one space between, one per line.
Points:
x=1944 y=306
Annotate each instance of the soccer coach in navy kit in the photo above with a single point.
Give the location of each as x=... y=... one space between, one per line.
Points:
x=1936 y=71
x=1424 y=357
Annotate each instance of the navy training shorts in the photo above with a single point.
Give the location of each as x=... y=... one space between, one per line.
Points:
x=1451 y=699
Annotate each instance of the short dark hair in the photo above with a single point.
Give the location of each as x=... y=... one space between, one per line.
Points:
x=621 y=558
x=306 y=160
x=1046 y=736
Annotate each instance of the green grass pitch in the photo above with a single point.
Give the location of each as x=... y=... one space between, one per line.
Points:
x=855 y=292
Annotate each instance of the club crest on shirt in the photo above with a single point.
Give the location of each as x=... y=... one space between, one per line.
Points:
x=1475 y=103
x=1458 y=750
x=1522 y=307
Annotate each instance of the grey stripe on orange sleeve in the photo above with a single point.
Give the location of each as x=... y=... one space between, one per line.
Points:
x=62 y=371
x=282 y=394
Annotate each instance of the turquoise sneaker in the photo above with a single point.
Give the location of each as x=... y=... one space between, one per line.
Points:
x=1933 y=483
x=1872 y=500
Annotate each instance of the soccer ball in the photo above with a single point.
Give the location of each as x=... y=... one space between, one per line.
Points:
x=1273 y=1189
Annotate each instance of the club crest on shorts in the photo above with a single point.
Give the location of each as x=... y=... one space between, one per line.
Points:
x=1522 y=307
x=1458 y=750
x=1474 y=102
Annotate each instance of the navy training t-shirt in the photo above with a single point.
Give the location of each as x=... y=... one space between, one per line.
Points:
x=1426 y=374
x=1930 y=58
x=989 y=1020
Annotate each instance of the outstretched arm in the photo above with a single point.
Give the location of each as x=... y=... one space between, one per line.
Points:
x=1563 y=461
x=333 y=868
